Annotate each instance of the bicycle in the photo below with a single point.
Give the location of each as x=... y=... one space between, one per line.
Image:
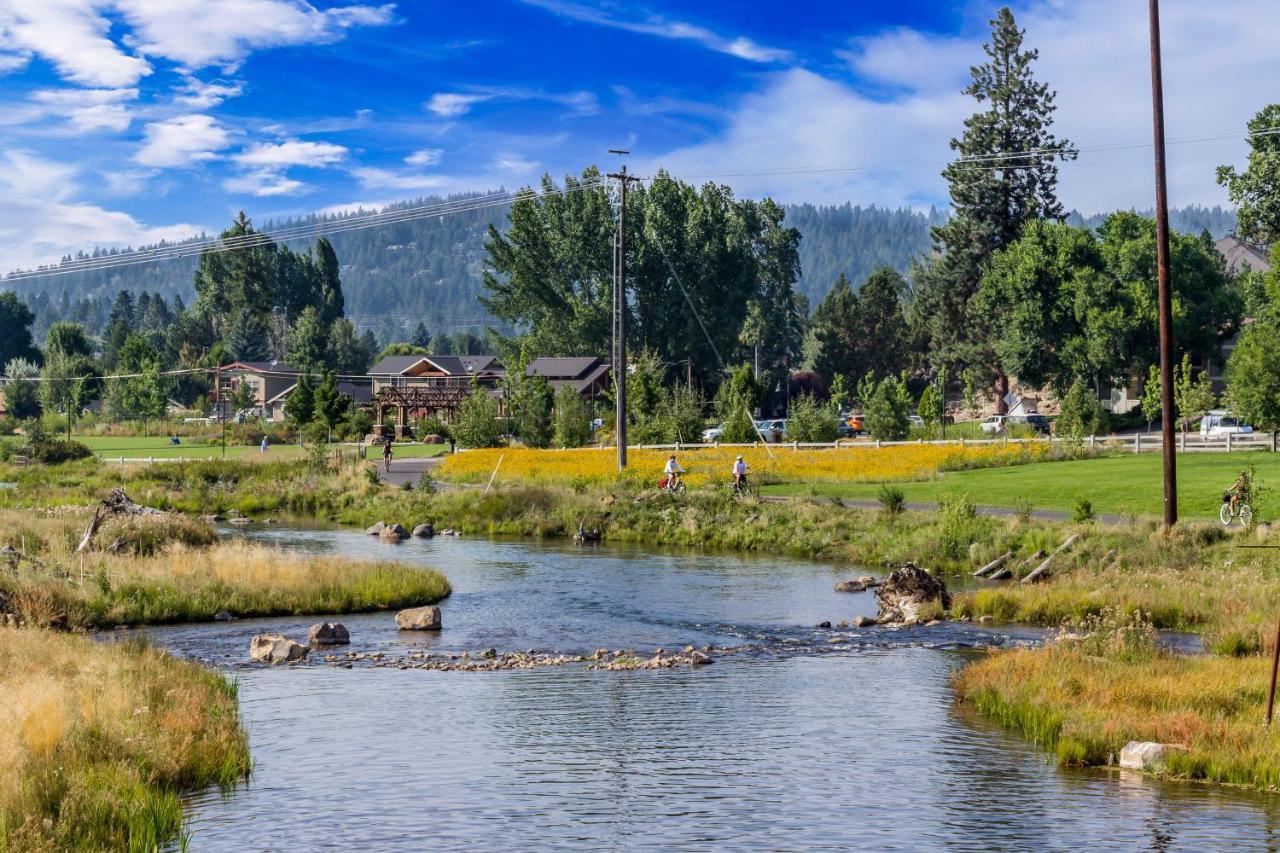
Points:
x=1243 y=514
x=671 y=485
x=743 y=488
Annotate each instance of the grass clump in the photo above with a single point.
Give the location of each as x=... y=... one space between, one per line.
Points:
x=99 y=740
x=171 y=574
x=1084 y=698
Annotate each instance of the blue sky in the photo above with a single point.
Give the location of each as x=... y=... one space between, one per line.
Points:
x=130 y=120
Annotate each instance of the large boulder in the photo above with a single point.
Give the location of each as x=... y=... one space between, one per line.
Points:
x=425 y=530
x=851 y=586
x=906 y=590
x=1143 y=755
x=376 y=529
x=393 y=531
x=328 y=634
x=275 y=648
x=419 y=619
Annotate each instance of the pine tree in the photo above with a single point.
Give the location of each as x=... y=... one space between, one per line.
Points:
x=420 y=337
x=308 y=349
x=300 y=407
x=996 y=187
x=330 y=282
x=834 y=327
x=246 y=337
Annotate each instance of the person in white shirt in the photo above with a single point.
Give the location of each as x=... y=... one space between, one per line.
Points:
x=672 y=472
x=739 y=473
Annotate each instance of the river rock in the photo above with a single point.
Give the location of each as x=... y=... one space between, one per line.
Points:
x=700 y=659
x=240 y=521
x=419 y=619
x=222 y=616
x=851 y=586
x=863 y=621
x=328 y=634
x=393 y=531
x=426 y=531
x=1142 y=755
x=909 y=588
x=868 y=581
x=275 y=648
x=376 y=529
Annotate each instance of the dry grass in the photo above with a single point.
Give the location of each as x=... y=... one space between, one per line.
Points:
x=97 y=741
x=1084 y=707
x=175 y=577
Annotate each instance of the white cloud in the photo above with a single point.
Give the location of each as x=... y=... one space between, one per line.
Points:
x=75 y=35
x=201 y=95
x=88 y=110
x=291 y=153
x=1093 y=52
x=40 y=221
x=513 y=163
x=453 y=104
x=182 y=141
x=263 y=183
x=71 y=34
x=389 y=179
x=655 y=25
x=425 y=157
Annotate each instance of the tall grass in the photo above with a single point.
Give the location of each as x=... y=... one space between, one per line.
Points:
x=98 y=740
x=176 y=579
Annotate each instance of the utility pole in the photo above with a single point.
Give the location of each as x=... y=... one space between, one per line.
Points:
x=620 y=314
x=1165 y=297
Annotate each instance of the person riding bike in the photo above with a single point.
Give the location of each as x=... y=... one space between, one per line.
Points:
x=739 y=474
x=671 y=473
x=1237 y=492
x=386 y=453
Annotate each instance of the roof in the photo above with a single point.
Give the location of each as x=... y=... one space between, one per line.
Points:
x=361 y=393
x=453 y=365
x=262 y=367
x=600 y=373
x=562 y=368
x=1240 y=254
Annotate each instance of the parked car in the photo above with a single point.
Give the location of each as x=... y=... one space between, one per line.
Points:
x=1220 y=423
x=915 y=420
x=994 y=425
x=772 y=430
x=855 y=423
x=1039 y=423
x=712 y=434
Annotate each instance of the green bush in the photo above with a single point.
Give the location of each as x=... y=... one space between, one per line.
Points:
x=1023 y=508
x=892 y=500
x=57 y=452
x=1082 y=413
x=811 y=421
x=888 y=409
x=1083 y=510
x=740 y=429
x=956 y=513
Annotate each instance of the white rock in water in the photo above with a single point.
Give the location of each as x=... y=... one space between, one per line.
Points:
x=375 y=529
x=1142 y=755
x=275 y=648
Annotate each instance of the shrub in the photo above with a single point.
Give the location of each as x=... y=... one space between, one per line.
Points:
x=810 y=421
x=740 y=429
x=1082 y=413
x=892 y=500
x=432 y=426
x=572 y=419
x=1083 y=510
x=477 y=424
x=1023 y=508
x=956 y=513
x=57 y=452
x=888 y=409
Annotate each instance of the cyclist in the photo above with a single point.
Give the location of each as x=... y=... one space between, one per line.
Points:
x=386 y=453
x=672 y=473
x=739 y=474
x=1237 y=492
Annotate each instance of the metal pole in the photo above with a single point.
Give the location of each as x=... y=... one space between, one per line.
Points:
x=1162 y=276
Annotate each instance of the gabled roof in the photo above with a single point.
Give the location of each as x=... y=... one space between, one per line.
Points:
x=562 y=368
x=453 y=365
x=360 y=392
x=1239 y=254
x=262 y=367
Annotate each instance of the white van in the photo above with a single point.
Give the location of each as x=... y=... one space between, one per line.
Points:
x=1220 y=423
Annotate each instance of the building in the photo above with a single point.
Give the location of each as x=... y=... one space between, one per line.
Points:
x=358 y=390
x=266 y=379
x=1240 y=255
x=590 y=377
x=407 y=387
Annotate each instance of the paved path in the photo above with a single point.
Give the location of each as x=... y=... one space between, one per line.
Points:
x=407 y=470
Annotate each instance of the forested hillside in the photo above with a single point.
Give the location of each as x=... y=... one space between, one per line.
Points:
x=429 y=270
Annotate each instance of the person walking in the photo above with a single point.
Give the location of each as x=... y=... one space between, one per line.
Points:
x=262 y=448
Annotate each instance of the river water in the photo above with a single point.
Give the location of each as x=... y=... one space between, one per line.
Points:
x=799 y=738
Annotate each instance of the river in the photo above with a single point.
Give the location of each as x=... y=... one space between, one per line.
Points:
x=799 y=738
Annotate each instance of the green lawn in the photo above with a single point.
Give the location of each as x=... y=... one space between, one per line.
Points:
x=413 y=451
x=1121 y=484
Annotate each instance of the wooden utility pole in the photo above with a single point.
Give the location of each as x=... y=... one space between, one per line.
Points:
x=1165 y=297
x=620 y=315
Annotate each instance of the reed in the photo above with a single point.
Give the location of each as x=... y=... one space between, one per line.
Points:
x=98 y=740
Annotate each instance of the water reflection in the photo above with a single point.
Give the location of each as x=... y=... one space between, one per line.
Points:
x=863 y=746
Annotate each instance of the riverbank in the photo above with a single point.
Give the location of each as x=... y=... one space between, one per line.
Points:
x=98 y=741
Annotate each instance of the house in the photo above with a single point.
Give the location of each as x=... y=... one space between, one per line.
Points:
x=358 y=390
x=405 y=387
x=265 y=379
x=590 y=377
x=1240 y=255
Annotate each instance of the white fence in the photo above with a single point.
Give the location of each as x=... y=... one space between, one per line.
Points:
x=1136 y=443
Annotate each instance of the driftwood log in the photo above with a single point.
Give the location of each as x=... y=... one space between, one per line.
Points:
x=1042 y=572
x=116 y=503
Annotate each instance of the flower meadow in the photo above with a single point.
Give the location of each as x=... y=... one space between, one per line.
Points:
x=708 y=465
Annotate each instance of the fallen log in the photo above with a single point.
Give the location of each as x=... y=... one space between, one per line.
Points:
x=1041 y=572
x=116 y=503
x=993 y=565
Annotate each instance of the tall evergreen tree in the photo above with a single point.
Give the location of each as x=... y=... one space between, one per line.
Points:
x=420 y=337
x=329 y=281
x=246 y=337
x=15 y=330
x=1005 y=176
x=308 y=341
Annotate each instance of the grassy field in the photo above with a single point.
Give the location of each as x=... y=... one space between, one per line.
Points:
x=98 y=741
x=1127 y=484
x=158 y=447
